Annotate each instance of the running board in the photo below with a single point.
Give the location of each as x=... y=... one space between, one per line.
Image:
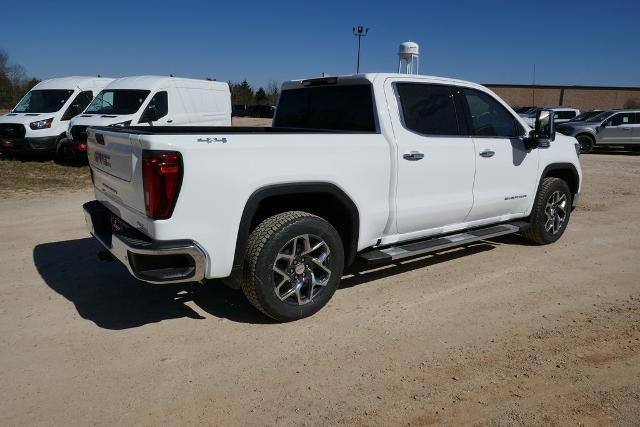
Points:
x=435 y=244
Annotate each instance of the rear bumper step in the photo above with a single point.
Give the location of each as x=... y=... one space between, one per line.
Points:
x=435 y=244
x=153 y=261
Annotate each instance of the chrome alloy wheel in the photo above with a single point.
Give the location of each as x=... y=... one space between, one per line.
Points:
x=301 y=270
x=556 y=212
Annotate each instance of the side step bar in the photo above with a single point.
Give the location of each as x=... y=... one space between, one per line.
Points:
x=435 y=244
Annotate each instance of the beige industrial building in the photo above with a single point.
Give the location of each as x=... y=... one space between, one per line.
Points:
x=581 y=97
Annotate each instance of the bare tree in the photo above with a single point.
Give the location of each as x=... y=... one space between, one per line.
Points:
x=13 y=81
x=273 y=90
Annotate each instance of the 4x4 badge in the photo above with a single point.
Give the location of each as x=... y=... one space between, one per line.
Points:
x=210 y=140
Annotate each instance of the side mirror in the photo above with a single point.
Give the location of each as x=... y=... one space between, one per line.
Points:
x=544 y=130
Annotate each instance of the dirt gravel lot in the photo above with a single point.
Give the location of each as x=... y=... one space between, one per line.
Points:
x=499 y=332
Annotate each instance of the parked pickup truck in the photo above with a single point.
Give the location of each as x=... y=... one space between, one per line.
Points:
x=374 y=167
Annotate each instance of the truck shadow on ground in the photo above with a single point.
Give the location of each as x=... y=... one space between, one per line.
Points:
x=105 y=293
x=614 y=151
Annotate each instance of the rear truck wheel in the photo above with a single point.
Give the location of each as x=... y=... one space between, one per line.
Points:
x=293 y=265
x=586 y=143
x=551 y=212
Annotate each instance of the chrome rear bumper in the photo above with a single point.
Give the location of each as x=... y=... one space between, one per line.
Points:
x=149 y=260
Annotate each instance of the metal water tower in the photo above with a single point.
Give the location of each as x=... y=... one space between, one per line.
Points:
x=409 y=58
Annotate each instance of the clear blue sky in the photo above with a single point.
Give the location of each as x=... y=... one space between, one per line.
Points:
x=571 y=42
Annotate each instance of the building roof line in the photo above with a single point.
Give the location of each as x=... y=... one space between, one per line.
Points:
x=543 y=86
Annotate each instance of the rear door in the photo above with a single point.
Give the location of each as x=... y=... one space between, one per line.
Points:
x=435 y=159
x=506 y=171
x=635 y=128
x=618 y=129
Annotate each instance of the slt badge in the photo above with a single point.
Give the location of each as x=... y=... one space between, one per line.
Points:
x=210 y=140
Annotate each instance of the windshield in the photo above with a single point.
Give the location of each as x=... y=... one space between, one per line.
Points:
x=599 y=117
x=584 y=116
x=117 y=101
x=531 y=113
x=43 y=101
x=523 y=110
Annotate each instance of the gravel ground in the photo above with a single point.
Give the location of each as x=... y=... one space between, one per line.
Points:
x=499 y=332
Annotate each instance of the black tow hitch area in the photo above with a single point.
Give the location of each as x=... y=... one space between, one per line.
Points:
x=105 y=255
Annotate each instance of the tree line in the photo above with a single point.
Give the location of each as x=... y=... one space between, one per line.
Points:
x=14 y=82
x=244 y=94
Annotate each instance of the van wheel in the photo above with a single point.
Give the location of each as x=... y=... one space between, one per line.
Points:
x=64 y=151
x=586 y=143
x=293 y=265
x=551 y=212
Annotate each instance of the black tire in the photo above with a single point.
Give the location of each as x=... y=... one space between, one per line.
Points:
x=65 y=153
x=543 y=210
x=586 y=143
x=269 y=241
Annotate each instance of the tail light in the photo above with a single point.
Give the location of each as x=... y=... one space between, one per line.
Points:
x=162 y=178
x=81 y=147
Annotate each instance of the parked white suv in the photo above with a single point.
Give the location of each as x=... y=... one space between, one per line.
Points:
x=39 y=121
x=153 y=101
x=562 y=114
x=376 y=166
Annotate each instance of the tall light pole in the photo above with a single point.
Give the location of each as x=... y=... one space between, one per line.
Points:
x=359 y=32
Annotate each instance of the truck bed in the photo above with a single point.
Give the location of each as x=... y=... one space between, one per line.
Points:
x=217 y=130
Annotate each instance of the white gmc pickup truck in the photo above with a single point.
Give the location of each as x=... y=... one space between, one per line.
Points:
x=375 y=166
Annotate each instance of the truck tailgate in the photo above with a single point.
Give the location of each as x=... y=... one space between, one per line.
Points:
x=114 y=160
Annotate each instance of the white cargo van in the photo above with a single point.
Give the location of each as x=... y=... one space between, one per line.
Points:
x=41 y=118
x=154 y=101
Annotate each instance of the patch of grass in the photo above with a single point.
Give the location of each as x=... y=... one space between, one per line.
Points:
x=40 y=174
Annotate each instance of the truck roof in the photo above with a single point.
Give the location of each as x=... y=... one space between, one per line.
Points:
x=153 y=83
x=73 y=82
x=371 y=77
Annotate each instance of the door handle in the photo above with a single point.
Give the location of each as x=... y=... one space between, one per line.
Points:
x=413 y=156
x=487 y=153
x=169 y=121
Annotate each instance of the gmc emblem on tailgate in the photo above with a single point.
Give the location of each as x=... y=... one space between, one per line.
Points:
x=101 y=158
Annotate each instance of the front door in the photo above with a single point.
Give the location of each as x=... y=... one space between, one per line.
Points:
x=618 y=129
x=506 y=171
x=436 y=164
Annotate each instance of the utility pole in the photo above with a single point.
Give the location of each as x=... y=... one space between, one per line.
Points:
x=359 y=32
x=533 y=89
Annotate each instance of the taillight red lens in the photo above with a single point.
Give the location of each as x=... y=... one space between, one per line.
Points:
x=162 y=177
x=81 y=147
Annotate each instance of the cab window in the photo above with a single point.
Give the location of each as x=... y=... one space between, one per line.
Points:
x=564 y=114
x=488 y=117
x=158 y=107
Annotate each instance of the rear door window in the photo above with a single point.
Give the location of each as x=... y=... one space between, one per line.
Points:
x=428 y=109
x=330 y=107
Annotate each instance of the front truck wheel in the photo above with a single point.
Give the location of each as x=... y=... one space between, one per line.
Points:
x=293 y=265
x=550 y=213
